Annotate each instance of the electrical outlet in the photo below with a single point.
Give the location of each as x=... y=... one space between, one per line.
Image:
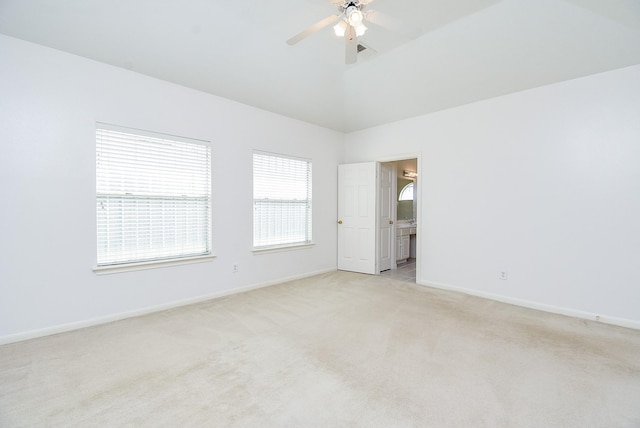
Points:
x=235 y=268
x=503 y=274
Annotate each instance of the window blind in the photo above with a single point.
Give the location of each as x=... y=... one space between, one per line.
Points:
x=153 y=195
x=281 y=200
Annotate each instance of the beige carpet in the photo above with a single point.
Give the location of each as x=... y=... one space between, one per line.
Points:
x=335 y=350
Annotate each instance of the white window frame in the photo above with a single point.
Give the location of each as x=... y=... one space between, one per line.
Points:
x=300 y=237
x=168 y=192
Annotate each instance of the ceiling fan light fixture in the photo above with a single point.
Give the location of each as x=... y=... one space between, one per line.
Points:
x=340 y=28
x=360 y=30
x=354 y=16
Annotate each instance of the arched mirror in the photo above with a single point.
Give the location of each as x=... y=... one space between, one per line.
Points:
x=406 y=194
x=405 y=199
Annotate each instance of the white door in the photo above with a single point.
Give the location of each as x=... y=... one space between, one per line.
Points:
x=387 y=209
x=357 y=217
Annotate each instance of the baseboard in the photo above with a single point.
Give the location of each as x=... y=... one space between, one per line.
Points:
x=48 y=331
x=622 y=322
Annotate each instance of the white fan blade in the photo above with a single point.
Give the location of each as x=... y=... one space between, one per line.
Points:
x=351 y=46
x=315 y=27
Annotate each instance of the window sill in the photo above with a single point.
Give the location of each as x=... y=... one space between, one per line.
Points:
x=279 y=248
x=130 y=267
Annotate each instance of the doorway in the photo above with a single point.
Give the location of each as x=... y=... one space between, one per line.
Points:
x=373 y=235
x=403 y=239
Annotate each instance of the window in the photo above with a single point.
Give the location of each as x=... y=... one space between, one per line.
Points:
x=153 y=195
x=281 y=201
x=406 y=194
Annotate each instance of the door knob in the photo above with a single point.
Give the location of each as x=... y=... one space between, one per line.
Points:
x=339 y=221
x=390 y=221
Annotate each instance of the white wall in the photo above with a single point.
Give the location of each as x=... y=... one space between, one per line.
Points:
x=544 y=183
x=49 y=103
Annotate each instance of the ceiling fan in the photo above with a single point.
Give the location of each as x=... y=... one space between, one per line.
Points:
x=351 y=17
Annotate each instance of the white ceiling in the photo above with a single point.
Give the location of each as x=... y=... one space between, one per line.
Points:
x=454 y=51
